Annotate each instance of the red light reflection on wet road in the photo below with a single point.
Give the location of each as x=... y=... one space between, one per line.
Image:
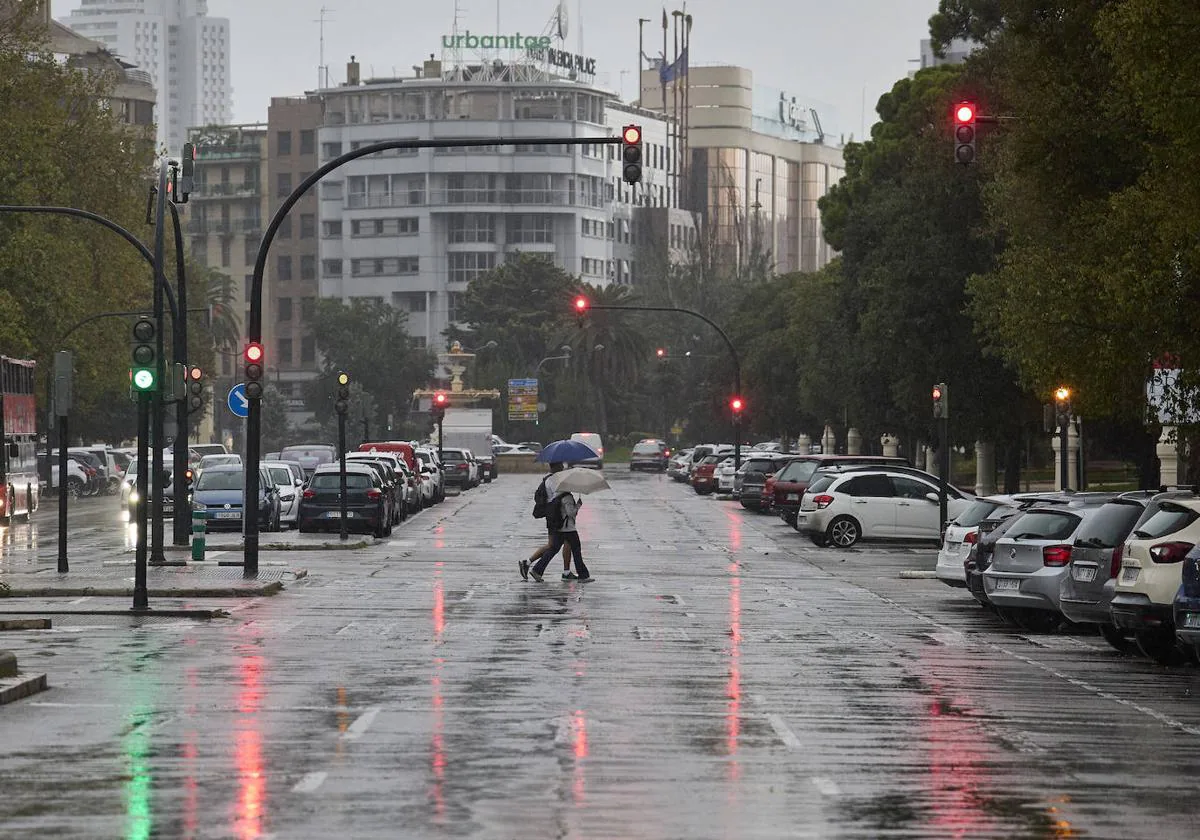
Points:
x=733 y=687
x=248 y=752
x=437 y=747
x=580 y=743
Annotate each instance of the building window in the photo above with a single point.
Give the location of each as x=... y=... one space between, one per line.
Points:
x=308 y=350
x=409 y=301
x=419 y=342
x=283 y=184
x=247 y=286
x=384 y=266
x=283 y=268
x=330 y=150
x=250 y=253
x=453 y=305
x=285 y=351
x=465 y=266
x=527 y=228
x=307 y=141
x=331 y=230
x=408 y=226
x=226 y=253
x=308 y=267
x=331 y=268
x=472 y=227
x=285 y=228
x=285 y=309
x=308 y=225
x=308 y=305
x=283 y=142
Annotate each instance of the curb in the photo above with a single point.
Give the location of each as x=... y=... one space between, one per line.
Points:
x=205 y=614
x=14 y=688
x=24 y=624
x=337 y=546
x=8 y=664
x=918 y=574
x=272 y=588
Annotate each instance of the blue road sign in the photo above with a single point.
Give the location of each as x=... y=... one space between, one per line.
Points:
x=238 y=402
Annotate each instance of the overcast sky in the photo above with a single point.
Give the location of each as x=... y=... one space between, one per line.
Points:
x=823 y=51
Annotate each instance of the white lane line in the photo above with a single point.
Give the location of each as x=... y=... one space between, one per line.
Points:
x=826 y=787
x=784 y=731
x=80 y=600
x=310 y=782
x=362 y=724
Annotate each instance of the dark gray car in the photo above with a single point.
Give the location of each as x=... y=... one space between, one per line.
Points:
x=748 y=483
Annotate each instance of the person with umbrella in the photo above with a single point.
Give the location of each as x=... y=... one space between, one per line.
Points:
x=541 y=502
x=561 y=515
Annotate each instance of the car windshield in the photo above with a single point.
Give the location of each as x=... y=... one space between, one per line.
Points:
x=307 y=455
x=451 y=455
x=222 y=480
x=1168 y=519
x=1110 y=525
x=281 y=475
x=1044 y=525
x=759 y=465
x=332 y=481
x=647 y=449
x=797 y=471
x=822 y=483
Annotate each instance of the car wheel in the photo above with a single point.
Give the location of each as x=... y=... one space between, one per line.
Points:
x=1037 y=621
x=74 y=487
x=843 y=532
x=1161 y=645
x=303 y=528
x=379 y=530
x=819 y=540
x=790 y=519
x=1117 y=639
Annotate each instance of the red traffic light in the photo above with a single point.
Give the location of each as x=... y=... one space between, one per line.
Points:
x=439 y=399
x=581 y=304
x=632 y=134
x=937 y=392
x=254 y=352
x=660 y=352
x=737 y=404
x=964 y=112
x=195 y=374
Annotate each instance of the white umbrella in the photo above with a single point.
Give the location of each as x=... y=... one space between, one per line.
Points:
x=577 y=480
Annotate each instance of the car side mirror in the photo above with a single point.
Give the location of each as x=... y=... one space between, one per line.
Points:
x=299 y=482
x=933 y=497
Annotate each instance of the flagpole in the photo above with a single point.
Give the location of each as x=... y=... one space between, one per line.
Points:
x=685 y=166
x=675 y=104
x=662 y=79
x=641 y=55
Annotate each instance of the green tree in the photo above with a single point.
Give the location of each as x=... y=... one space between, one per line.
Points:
x=276 y=430
x=367 y=339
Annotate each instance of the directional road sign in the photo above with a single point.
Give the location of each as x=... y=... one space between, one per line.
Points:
x=238 y=402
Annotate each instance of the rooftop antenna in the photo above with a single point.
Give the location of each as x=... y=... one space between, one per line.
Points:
x=322 y=69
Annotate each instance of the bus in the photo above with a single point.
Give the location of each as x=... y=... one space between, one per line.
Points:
x=19 y=485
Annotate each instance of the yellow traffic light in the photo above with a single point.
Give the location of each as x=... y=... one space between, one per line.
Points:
x=1062 y=394
x=343 y=379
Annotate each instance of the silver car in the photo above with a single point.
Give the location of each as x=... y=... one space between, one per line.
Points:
x=1030 y=559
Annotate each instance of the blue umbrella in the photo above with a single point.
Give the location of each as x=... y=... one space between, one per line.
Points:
x=566 y=452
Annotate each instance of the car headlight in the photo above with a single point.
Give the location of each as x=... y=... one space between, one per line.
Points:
x=133 y=496
x=199 y=506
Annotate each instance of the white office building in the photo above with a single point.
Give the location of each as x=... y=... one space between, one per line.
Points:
x=414 y=228
x=185 y=52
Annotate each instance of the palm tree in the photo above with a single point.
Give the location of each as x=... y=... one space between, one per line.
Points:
x=225 y=325
x=610 y=348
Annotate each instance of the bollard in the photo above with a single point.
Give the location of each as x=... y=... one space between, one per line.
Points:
x=199 y=519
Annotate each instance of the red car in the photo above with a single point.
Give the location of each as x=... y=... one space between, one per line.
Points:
x=789 y=484
x=703 y=479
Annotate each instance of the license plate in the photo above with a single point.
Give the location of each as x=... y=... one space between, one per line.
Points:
x=951 y=545
x=1191 y=620
x=228 y=514
x=333 y=514
x=1007 y=583
x=793 y=497
x=1130 y=574
x=1084 y=574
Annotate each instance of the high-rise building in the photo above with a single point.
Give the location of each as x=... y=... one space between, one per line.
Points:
x=414 y=228
x=755 y=162
x=185 y=53
x=292 y=284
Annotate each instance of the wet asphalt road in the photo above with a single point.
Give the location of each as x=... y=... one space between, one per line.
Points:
x=722 y=678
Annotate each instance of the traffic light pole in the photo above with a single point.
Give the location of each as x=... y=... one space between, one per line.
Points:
x=181 y=532
x=1064 y=426
x=343 y=534
x=141 y=599
x=254 y=321
x=157 y=405
x=63 y=566
x=944 y=469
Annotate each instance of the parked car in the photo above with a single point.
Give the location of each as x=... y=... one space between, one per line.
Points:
x=1151 y=575
x=458 y=468
x=593 y=440
x=703 y=477
x=223 y=460
x=963 y=532
x=649 y=455
x=209 y=448
x=428 y=458
x=366 y=500
x=110 y=472
x=677 y=463
x=791 y=482
x=839 y=509
x=748 y=482
x=1086 y=590
x=288 y=478
x=979 y=558
x=1186 y=609
x=167 y=479
x=309 y=455
x=220 y=492
x=403 y=487
x=1030 y=560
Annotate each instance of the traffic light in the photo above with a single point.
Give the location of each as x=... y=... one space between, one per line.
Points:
x=1062 y=405
x=187 y=174
x=661 y=353
x=195 y=389
x=736 y=405
x=143 y=374
x=941 y=406
x=631 y=153
x=964 y=132
x=581 y=309
x=440 y=401
x=254 y=356
x=342 y=404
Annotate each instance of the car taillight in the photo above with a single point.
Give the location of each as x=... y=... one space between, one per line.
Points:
x=1056 y=555
x=1114 y=565
x=374 y=493
x=1171 y=552
x=822 y=501
x=971 y=538
x=462 y=467
x=310 y=494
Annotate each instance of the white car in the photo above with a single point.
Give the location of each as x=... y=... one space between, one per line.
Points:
x=289 y=481
x=963 y=532
x=839 y=509
x=724 y=474
x=431 y=475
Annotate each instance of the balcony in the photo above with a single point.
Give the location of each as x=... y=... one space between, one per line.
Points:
x=407 y=198
x=241 y=151
x=225 y=190
x=522 y=197
x=203 y=227
x=248 y=227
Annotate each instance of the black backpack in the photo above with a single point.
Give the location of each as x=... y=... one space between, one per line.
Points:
x=541 y=501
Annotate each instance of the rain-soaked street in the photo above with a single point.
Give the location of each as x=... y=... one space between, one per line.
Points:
x=722 y=677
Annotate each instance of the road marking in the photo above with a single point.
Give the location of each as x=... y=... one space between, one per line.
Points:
x=826 y=787
x=362 y=724
x=310 y=782
x=80 y=600
x=784 y=731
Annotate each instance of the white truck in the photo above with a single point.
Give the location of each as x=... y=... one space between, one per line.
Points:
x=471 y=428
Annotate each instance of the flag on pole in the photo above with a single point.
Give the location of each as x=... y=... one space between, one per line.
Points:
x=675 y=70
x=664 y=18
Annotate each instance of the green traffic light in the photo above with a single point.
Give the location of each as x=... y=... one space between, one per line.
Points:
x=143 y=379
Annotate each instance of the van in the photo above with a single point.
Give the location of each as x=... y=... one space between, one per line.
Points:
x=593 y=440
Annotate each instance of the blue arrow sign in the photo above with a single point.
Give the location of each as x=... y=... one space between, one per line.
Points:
x=238 y=402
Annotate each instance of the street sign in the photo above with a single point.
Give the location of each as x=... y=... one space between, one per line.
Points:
x=238 y=402
x=523 y=399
